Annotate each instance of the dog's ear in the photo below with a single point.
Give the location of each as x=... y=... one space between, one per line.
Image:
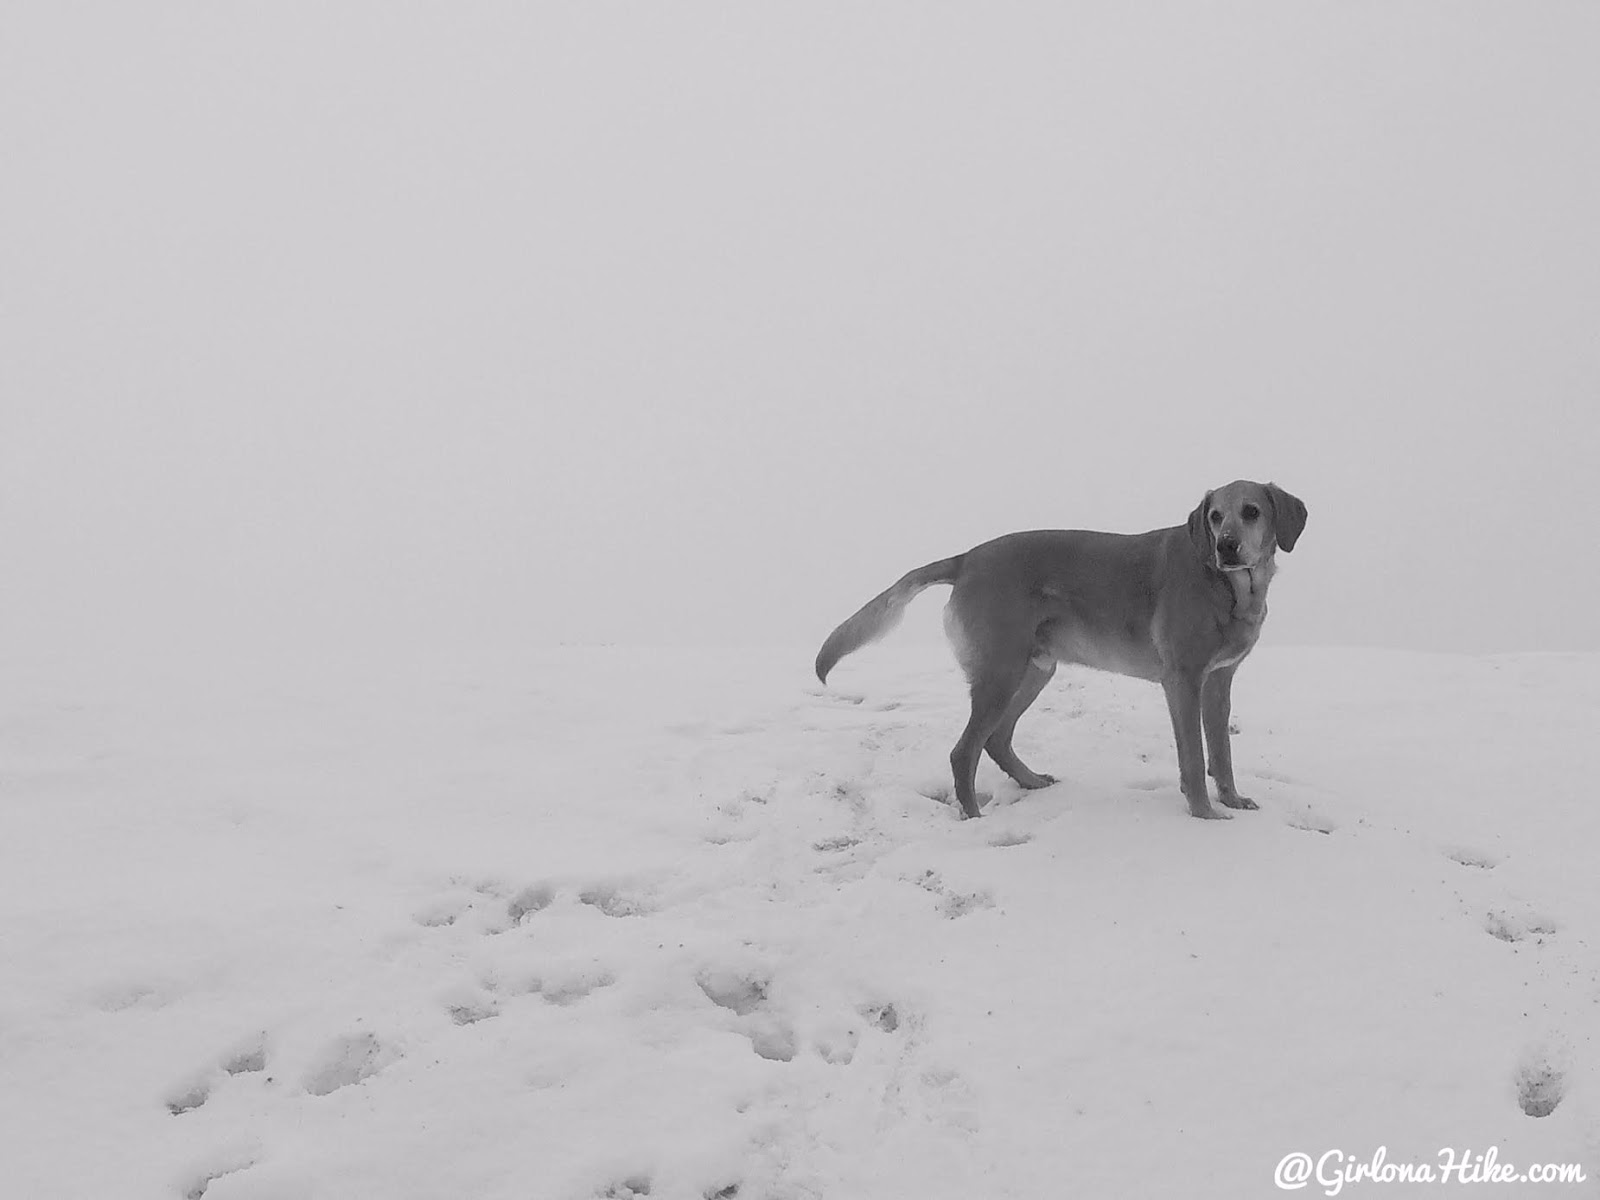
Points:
x=1199 y=532
x=1288 y=516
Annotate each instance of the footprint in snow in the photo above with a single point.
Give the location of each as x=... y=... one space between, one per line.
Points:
x=1540 y=1085
x=498 y=910
x=837 y=1044
x=739 y=992
x=469 y=1011
x=450 y=911
x=616 y=901
x=440 y=914
x=630 y=1188
x=1514 y=927
x=952 y=904
x=496 y=905
x=197 y=1189
x=1311 y=822
x=1011 y=838
x=884 y=1016
x=732 y=816
x=949 y=1098
x=188 y=1097
x=119 y=997
x=834 y=844
x=534 y=898
x=942 y=793
x=559 y=983
x=568 y=989
x=959 y=905
x=246 y=1057
x=745 y=994
x=1473 y=858
x=848 y=792
x=348 y=1060
x=773 y=1038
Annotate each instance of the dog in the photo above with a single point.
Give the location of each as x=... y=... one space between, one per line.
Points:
x=1181 y=607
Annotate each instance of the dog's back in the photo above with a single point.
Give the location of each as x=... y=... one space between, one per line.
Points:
x=1069 y=595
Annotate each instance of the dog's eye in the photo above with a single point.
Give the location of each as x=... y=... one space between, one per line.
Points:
x=1216 y=517
x=1249 y=512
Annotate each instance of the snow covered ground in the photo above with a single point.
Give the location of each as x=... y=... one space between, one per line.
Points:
x=611 y=923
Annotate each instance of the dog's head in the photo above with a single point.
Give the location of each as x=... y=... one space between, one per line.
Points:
x=1239 y=526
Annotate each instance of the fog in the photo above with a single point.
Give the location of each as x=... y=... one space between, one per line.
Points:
x=537 y=323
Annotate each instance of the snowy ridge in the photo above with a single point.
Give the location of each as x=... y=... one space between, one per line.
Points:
x=608 y=923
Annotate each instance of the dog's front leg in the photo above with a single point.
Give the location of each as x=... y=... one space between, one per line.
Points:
x=1183 y=702
x=1216 y=707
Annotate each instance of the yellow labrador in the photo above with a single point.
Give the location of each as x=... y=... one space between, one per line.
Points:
x=1179 y=606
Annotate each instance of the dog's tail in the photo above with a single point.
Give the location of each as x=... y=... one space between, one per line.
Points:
x=883 y=612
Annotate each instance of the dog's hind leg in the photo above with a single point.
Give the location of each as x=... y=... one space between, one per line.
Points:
x=994 y=685
x=999 y=743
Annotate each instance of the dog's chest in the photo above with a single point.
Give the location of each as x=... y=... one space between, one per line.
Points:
x=1243 y=627
x=1238 y=639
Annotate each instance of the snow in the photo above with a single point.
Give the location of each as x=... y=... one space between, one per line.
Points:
x=608 y=922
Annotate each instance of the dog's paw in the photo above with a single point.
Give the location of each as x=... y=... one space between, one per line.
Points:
x=1208 y=813
x=1234 y=800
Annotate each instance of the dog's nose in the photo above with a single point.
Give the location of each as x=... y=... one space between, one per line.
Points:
x=1228 y=548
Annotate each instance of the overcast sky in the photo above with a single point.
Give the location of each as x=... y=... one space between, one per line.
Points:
x=704 y=322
